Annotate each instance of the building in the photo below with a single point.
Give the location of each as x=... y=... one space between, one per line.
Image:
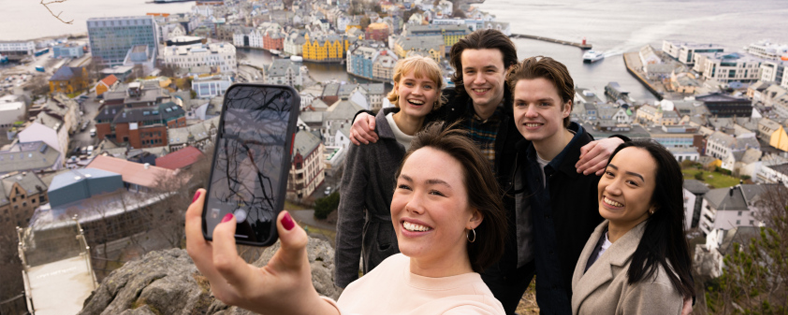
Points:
x=68 y=50
x=694 y=191
x=211 y=85
x=722 y=105
x=306 y=172
x=198 y=135
x=685 y=52
x=450 y=34
x=68 y=80
x=774 y=71
x=35 y=157
x=220 y=57
x=17 y=48
x=20 y=195
x=728 y=208
x=274 y=39
x=767 y=50
x=372 y=61
x=719 y=145
x=327 y=48
x=11 y=111
x=112 y=37
x=728 y=67
x=146 y=127
x=106 y=84
x=180 y=159
x=429 y=46
x=378 y=32
x=284 y=72
x=294 y=44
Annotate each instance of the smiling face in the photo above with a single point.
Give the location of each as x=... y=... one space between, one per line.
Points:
x=417 y=94
x=430 y=209
x=538 y=110
x=626 y=188
x=483 y=76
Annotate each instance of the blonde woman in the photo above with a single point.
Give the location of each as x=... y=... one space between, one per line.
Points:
x=364 y=228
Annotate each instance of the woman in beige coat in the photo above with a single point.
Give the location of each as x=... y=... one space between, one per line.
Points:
x=636 y=261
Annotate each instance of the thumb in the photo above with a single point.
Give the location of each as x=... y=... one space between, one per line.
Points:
x=293 y=241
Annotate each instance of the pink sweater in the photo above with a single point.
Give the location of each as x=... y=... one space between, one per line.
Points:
x=392 y=289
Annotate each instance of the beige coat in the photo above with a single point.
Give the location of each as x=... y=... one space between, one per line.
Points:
x=603 y=289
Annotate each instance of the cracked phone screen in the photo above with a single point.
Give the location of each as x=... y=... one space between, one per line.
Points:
x=248 y=163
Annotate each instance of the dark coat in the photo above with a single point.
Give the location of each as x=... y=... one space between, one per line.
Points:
x=561 y=232
x=364 y=216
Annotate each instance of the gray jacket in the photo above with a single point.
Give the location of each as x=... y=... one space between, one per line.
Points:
x=364 y=226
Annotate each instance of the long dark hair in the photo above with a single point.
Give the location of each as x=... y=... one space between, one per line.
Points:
x=484 y=193
x=663 y=241
x=480 y=39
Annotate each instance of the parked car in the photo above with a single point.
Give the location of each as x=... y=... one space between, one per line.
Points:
x=328 y=191
x=84 y=125
x=92 y=132
x=90 y=150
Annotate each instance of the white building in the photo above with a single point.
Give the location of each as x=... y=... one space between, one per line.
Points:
x=17 y=47
x=208 y=87
x=219 y=56
x=725 y=67
x=10 y=112
x=694 y=191
x=773 y=174
x=719 y=144
x=727 y=208
x=767 y=50
x=685 y=52
x=775 y=71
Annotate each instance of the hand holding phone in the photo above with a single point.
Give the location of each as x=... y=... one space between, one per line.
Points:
x=251 y=161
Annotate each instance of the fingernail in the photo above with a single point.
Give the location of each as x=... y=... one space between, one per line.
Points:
x=196 y=196
x=287 y=222
x=227 y=217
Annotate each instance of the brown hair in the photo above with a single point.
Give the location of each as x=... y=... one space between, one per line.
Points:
x=480 y=39
x=484 y=193
x=548 y=69
x=422 y=67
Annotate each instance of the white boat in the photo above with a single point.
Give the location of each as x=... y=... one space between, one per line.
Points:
x=296 y=58
x=593 y=56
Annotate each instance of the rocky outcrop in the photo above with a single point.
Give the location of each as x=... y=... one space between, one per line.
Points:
x=167 y=282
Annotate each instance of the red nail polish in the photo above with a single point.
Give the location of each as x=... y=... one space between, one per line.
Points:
x=196 y=196
x=227 y=217
x=287 y=222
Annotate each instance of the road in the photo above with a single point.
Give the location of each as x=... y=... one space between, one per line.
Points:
x=82 y=138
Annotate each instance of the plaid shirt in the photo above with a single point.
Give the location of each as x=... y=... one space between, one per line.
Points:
x=483 y=132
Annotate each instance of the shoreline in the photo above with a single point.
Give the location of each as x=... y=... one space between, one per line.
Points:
x=50 y=37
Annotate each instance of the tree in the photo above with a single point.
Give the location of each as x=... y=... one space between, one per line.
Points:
x=38 y=86
x=166 y=70
x=324 y=206
x=10 y=265
x=754 y=276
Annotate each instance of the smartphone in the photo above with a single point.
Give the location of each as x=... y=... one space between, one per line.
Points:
x=251 y=161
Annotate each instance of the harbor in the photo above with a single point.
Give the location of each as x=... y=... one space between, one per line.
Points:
x=582 y=45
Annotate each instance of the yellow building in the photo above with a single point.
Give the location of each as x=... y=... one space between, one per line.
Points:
x=779 y=139
x=325 y=49
x=68 y=80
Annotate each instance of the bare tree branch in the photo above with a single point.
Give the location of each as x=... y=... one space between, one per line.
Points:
x=46 y=5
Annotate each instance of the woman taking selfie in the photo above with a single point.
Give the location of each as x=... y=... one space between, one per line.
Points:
x=636 y=261
x=364 y=226
x=449 y=222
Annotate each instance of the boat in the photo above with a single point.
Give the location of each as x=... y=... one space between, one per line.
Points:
x=593 y=56
x=296 y=59
x=3 y=58
x=275 y=52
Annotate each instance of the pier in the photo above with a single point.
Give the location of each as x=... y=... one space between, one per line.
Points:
x=552 y=40
x=634 y=67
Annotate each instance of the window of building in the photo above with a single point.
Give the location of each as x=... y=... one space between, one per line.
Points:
x=738 y=222
x=739 y=214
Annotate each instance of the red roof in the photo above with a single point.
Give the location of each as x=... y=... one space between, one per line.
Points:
x=109 y=80
x=180 y=159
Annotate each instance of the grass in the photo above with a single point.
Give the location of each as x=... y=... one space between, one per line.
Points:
x=292 y=206
x=718 y=180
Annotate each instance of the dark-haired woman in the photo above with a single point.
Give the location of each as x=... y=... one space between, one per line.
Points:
x=636 y=261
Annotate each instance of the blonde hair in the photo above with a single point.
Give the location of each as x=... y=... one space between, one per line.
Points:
x=421 y=67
